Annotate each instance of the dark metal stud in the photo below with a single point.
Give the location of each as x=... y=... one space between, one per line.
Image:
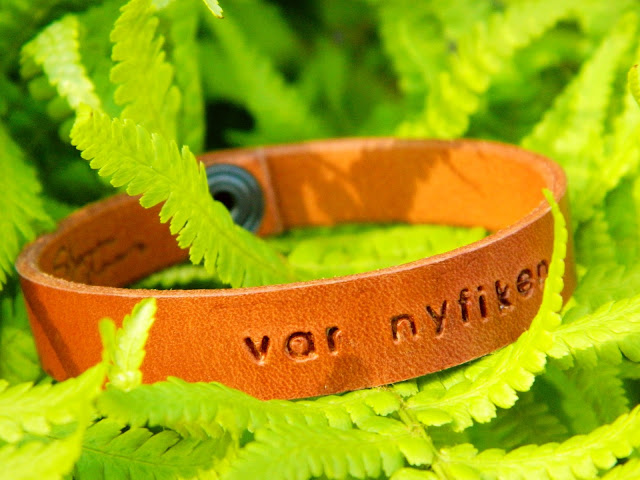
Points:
x=239 y=191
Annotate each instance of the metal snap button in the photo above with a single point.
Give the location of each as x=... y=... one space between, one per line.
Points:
x=239 y=192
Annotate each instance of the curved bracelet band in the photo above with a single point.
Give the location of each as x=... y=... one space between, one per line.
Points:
x=325 y=336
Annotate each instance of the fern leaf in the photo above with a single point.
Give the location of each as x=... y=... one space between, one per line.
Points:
x=19 y=360
x=34 y=460
x=606 y=283
x=493 y=380
x=154 y=167
x=298 y=452
x=453 y=95
x=20 y=203
x=579 y=416
x=413 y=474
x=112 y=451
x=206 y=409
x=621 y=210
x=629 y=470
x=629 y=370
x=604 y=334
x=182 y=31
x=579 y=457
x=19 y=21
x=123 y=350
x=594 y=244
x=250 y=79
x=25 y=408
x=214 y=7
x=96 y=24
x=634 y=83
x=145 y=79
x=572 y=131
x=589 y=397
x=56 y=51
x=528 y=421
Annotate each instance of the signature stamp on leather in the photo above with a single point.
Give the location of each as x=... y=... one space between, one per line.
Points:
x=85 y=266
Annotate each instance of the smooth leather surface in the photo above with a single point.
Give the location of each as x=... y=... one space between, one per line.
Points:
x=325 y=336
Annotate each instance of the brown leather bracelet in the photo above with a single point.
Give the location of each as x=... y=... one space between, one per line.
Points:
x=325 y=336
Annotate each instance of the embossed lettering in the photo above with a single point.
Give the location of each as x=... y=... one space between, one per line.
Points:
x=525 y=283
x=464 y=303
x=482 y=303
x=503 y=296
x=438 y=318
x=259 y=353
x=300 y=346
x=543 y=271
x=399 y=321
x=333 y=334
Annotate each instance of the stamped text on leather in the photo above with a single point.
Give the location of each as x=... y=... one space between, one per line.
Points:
x=472 y=304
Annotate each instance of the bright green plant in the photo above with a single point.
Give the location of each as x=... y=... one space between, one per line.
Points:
x=131 y=91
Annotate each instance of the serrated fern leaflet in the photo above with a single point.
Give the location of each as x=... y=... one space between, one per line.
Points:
x=56 y=51
x=479 y=54
x=145 y=79
x=20 y=203
x=123 y=349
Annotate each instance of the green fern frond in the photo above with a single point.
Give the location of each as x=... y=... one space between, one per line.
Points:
x=206 y=409
x=578 y=416
x=528 y=421
x=19 y=360
x=608 y=333
x=418 y=36
x=111 y=451
x=326 y=255
x=242 y=74
x=19 y=20
x=154 y=167
x=145 y=79
x=579 y=457
x=494 y=380
x=413 y=474
x=633 y=78
x=214 y=7
x=588 y=397
x=55 y=51
x=621 y=208
x=572 y=132
x=96 y=24
x=123 y=350
x=183 y=23
x=35 y=460
x=594 y=244
x=602 y=284
x=20 y=203
x=629 y=470
x=297 y=452
x=629 y=370
x=29 y=409
x=479 y=54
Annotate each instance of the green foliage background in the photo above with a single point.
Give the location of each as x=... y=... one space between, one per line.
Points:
x=129 y=92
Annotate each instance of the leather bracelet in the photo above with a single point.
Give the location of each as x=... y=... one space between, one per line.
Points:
x=324 y=336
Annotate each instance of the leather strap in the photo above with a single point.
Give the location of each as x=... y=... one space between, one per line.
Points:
x=325 y=336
